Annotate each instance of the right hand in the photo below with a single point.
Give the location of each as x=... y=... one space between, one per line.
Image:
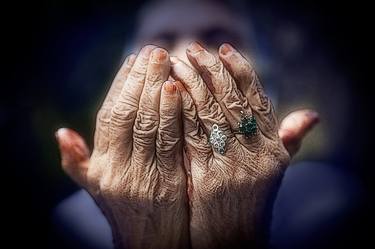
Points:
x=135 y=173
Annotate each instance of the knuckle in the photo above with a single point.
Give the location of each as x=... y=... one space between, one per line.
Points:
x=193 y=79
x=196 y=140
x=167 y=142
x=207 y=105
x=169 y=111
x=103 y=116
x=214 y=65
x=125 y=102
x=232 y=100
x=169 y=115
x=122 y=117
x=137 y=74
x=191 y=127
x=122 y=74
x=244 y=68
x=145 y=126
x=154 y=77
x=217 y=114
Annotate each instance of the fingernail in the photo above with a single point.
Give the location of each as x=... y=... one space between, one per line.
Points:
x=195 y=47
x=159 y=56
x=170 y=87
x=146 y=50
x=225 y=49
x=174 y=60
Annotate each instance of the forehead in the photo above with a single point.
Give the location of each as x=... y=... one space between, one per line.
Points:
x=189 y=18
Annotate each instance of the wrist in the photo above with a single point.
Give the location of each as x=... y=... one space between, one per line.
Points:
x=158 y=229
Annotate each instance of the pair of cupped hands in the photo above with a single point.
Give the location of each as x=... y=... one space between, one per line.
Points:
x=153 y=171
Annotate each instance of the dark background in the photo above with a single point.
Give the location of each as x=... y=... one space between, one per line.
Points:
x=43 y=43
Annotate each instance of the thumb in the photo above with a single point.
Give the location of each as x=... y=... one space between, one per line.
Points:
x=74 y=154
x=294 y=128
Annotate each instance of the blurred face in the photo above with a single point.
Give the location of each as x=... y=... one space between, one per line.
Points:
x=174 y=25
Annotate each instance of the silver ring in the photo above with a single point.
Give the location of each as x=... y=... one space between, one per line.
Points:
x=218 y=139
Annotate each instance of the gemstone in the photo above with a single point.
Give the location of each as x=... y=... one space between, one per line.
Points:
x=248 y=125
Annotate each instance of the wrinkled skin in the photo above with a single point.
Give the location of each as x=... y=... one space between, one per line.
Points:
x=136 y=171
x=229 y=192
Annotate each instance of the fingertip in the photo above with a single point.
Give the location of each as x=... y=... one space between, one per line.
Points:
x=313 y=115
x=74 y=154
x=226 y=49
x=159 y=55
x=146 y=50
x=131 y=59
x=170 y=87
x=70 y=142
x=60 y=131
x=194 y=47
x=66 y=134
x=61 y=135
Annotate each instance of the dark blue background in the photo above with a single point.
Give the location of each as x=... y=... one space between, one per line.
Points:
x=43 y=44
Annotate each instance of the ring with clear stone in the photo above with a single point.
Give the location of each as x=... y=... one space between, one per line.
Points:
x=218 y=139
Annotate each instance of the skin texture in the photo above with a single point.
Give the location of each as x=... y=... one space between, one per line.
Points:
x=229 y=194
x=135 y=173
x=149 y=129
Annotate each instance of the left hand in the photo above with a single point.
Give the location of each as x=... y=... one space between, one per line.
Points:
x=229 y=193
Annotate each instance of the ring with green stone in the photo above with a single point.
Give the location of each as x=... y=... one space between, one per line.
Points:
x=248 y=125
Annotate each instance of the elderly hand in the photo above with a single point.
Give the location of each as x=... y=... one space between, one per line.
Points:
x=230 y=192
x=135 y=173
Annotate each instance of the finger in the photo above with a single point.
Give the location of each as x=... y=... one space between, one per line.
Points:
x=223 y=86
x=197 y=150
x=294 y=128
x=74 y=155
x=125 y=109
x=168 y=141
x=196 y=141
x=208 y=110
x=147 y=120
x=103 y=116
x=119 y=82
x=249 y=84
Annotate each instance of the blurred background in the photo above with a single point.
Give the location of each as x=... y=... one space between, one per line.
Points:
x=61 y=56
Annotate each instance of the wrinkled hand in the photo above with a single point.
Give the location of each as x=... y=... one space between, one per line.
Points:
x=229 y=194
x=135 y=173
